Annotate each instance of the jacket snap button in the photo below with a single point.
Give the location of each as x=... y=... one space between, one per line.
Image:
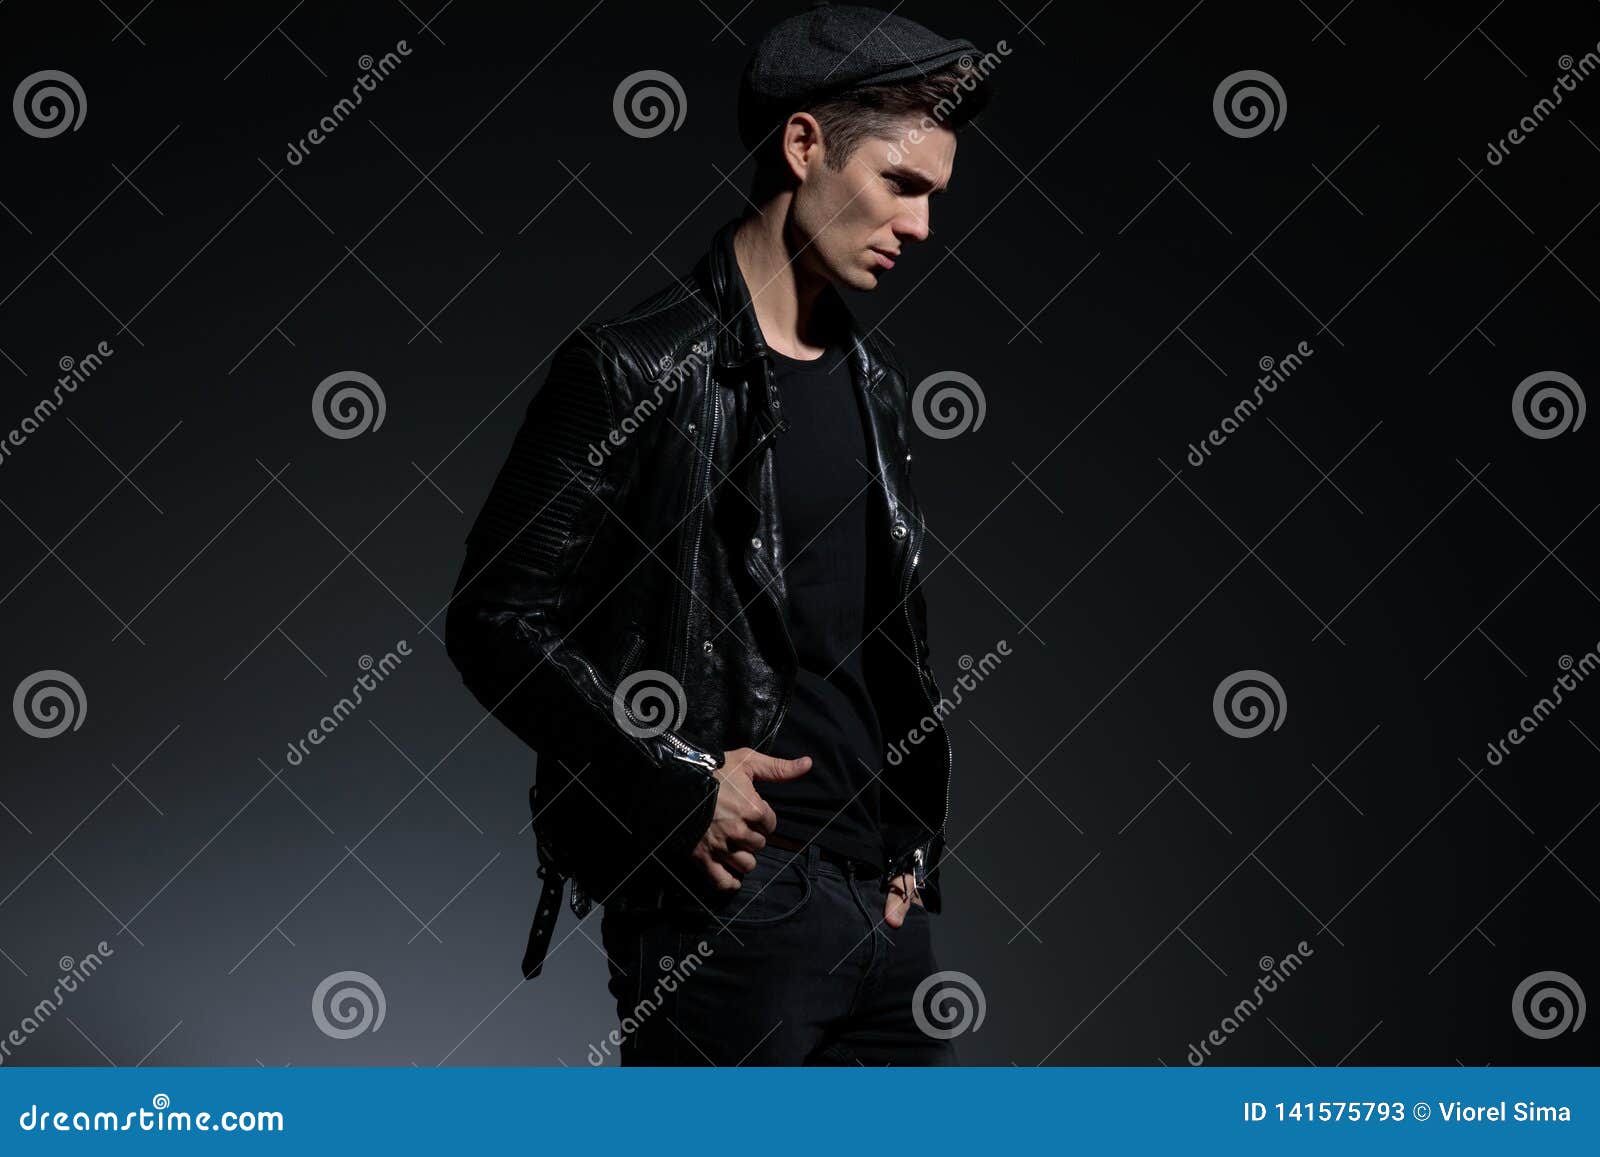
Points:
x=756 y=543
x=898 y=531
x=706 y=646
x=693 y=428
x=908 y=455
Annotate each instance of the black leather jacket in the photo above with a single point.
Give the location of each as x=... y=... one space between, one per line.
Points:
x=631 y=540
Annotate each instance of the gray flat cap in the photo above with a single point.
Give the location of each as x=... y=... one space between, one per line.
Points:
x=831 y=47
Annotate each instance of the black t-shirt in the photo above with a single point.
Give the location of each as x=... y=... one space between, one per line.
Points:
x=823 y=490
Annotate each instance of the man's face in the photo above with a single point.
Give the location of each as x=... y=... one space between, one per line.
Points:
x=853 y=223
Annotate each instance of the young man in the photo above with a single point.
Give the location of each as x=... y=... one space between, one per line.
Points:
x=693 y=591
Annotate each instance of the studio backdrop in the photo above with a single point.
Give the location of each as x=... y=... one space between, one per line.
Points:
x=1252 y=345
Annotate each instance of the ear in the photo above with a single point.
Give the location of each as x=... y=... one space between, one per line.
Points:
x=802 y=143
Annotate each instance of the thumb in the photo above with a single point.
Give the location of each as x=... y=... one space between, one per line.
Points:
x=895 y=907
x=773 y=769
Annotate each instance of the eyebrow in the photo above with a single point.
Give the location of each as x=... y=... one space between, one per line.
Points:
x=915 y=177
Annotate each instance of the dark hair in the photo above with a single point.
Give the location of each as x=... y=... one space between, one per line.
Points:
x=948 y=97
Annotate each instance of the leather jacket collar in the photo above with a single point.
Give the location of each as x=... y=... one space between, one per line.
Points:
x=741 y=341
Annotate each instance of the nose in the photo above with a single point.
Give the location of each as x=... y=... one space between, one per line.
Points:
x=913 y=224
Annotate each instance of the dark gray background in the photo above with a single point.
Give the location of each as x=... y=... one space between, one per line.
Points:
x=184 y=540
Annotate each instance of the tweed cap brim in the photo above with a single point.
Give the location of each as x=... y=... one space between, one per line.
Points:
x=833 y=47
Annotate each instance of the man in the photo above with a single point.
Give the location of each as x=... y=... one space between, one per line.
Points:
x=693 y=591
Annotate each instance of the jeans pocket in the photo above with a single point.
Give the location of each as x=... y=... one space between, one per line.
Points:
x=777 y=889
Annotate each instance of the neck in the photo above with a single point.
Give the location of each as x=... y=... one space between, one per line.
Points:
x=785 y=298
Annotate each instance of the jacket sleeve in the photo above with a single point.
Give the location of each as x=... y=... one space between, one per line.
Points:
x=516 y=605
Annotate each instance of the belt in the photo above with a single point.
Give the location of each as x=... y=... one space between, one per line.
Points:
x=544 y=922
x=850 y=863
x=652 y=895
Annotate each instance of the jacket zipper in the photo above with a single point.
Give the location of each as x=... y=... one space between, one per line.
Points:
x=687 y=754
x=631 y=658
x=781 y=425
x=919 y=865
x=702 y=500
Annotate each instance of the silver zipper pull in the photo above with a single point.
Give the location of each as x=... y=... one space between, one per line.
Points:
x=703 y=759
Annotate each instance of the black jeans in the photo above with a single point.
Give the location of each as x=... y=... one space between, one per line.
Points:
x=797 y=967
